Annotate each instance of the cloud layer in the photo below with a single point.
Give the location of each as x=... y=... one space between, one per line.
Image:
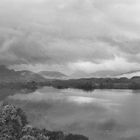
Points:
x=70 y=35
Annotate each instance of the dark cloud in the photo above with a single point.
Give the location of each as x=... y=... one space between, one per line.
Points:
x=29 y=51
x=22 y=50
x=75 y=34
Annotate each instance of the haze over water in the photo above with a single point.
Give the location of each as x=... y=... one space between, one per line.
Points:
x=100 y=114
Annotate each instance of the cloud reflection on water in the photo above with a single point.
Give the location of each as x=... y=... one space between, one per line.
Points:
x=100 y=113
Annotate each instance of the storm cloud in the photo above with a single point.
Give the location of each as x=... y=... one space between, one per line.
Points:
x=70 y=35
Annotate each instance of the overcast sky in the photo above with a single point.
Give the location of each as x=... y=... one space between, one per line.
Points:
x=72 y=36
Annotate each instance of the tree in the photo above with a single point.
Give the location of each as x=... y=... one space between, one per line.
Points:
x=28 y=137
x=14 y=126
x=75 y=137
x=12 y=120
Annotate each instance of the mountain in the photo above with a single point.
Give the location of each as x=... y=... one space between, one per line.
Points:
x=9 y=75
x=105 y=74
x=52 y=74
x=116 y=74
x=130 y=74
x=31 y=76
x=98 y=74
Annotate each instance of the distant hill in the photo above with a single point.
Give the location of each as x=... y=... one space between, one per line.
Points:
x=9 y=75
x=98 y=74
x=130 y=74
x=52 y=74
x=106 y=74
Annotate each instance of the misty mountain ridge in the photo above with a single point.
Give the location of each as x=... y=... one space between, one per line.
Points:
x=130 y=74
x=115 y=74
x=10 y=75
x=97 y=74
x=52 y=74
x=106 y=74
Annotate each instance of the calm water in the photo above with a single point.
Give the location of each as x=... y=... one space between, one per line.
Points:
x=100 y=115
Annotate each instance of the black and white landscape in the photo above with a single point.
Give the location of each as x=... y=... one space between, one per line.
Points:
x=69 y=69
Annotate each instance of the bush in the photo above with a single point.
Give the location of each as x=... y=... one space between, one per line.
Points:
x=75 y=137
x=14 y=126
x=12 y=120
x=28 y=137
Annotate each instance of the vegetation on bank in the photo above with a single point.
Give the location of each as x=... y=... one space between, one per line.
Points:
x=14 y=126
x=29 y=80
x=89 y=84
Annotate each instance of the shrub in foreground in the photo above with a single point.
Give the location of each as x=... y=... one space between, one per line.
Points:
x=14 y=126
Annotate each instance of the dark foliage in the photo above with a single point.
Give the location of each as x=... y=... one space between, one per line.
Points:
x=75 y=137
x=89 y=84
x=14 y=126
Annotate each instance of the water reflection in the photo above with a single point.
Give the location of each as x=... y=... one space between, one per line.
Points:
x=101 y=114
x=4 y=92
